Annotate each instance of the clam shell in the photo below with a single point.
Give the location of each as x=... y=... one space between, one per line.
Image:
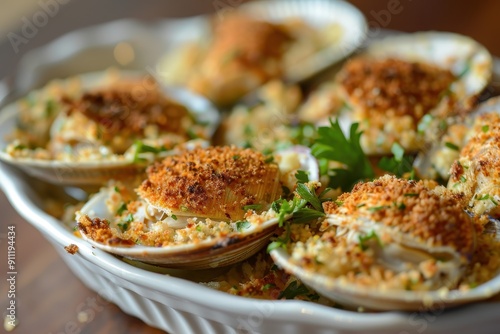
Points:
x=318 y=14
x=92 y=173
x=469 y=61
x=462 y=55
x=437 y=160
x=343 y=292
x=210 y=253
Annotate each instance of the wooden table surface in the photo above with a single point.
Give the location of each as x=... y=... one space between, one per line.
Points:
x=48 y=294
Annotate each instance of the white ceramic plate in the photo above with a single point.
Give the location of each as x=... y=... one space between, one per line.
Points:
x=179 y=305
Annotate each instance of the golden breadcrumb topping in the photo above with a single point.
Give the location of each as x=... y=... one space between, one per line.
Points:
x=476 y=173
x=98 y=230
x=128 y=107
x=216 y=181
x=485 y=133
x=394 y=87
x=433 y=216
x=71 y=249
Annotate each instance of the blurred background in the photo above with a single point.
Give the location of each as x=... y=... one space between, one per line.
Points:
x=478 y=19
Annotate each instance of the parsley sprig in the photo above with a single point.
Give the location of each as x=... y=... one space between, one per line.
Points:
x=333 y=145
x=304 y=207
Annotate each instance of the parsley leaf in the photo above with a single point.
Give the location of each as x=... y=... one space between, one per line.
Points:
x=252 y=207
x=140 y=148
x=242 y=225
x=399 y=164
x=305 y=215
x=293 y=290
x=309 y=196
x=363 y=240
x=333 y=145
x=451 y=146
x=302 y=176
x=121 y=209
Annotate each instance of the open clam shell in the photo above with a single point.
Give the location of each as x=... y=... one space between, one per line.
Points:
x=365 y=255
x=320 y=33
x=209 y=253
x=93 y=172
x=436 y=161
x=401 y=88
x=476 y=171
x=176 y=223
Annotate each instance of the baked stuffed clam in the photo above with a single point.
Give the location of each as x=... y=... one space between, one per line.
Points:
x=388 y=244
x=198 y=209
x=402 y=89
x=88 y=129
x=476 y=171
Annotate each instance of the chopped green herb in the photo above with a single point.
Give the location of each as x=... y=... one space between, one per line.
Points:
x=463 y=179
x=399 y=164
x=20 y=147
x=425 y=122
x=50 y=108
x=286 y=191
x=236 y=157
x=410 y=195
x=184 y=208
x=363 y=240
x=117 y=189
x=333 y=145
x=378 y=208
x=293 y=290
x=123 y=226
x=305 y=215
x=252 y=207
x=451 y=146
x=485 y=128
x=121 y=209
x=140 y=148
x=401 y=206
x=242 y=225
x=129 y=218
x=269 y=159
x=309 y=196
x=339 y=203
x=360 y=205
x=302 y=176
x=174 y=217
x=198 y=228
x=268 y=286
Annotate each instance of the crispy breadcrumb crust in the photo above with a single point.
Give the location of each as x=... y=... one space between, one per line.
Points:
x=393 y=87
x=128 y=107
x=434 y=216
x=476 y=173
x=216 y=181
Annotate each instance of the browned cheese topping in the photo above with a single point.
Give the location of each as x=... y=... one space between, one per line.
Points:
x=217 y=179
x=247 y=43
x=392 y=87
x=99 y=230
x=411 y=208
x=485 y=136
x=71 y=249
x=482 y=150
x=126 y=108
